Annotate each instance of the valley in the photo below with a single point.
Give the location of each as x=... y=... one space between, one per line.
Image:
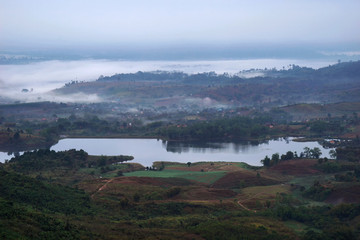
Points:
x=302 y=194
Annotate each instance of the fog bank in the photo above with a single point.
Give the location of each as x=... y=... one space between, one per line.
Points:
x=38 y=78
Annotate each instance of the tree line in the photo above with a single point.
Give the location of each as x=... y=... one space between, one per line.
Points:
x=219 y=129
x=276 y=158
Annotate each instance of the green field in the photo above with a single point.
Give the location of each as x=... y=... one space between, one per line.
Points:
x=204 y=177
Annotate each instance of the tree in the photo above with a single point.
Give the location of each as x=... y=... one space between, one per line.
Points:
x=307 y=153
x=289 y=155
x=315 y=152
x=266 y=161
x=17 y=136
x=102 y=161
x=188 y=163
x=275 y=158
x=319 y=126
x=332 y=153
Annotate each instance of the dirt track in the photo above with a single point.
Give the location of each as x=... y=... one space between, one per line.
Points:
x=102 y=187
x=246 y=208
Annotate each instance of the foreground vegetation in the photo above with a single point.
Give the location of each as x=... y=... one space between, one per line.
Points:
x=65 y=195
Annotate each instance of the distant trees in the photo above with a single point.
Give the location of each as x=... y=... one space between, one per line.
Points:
x=276 y=158
x=16 y=136
x=315 y=152
x=306 y=152
x=49 y=159
x=311 y=153
x=289 y=155
x=321 y=127
x=266 y=161
x=233 y=128
x=350 y=153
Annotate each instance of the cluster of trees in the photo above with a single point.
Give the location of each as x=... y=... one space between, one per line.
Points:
x=331 y=219
x=144 y=76
x=44 y=159
x=42 y=195
x=352 y=176
x=104 y=160
x=205 y=78
x=41 y=159
x=348 y=153
x=321 y=127
x=311 y=153
x=276 y=158
x=317 y=192
x=33 y=209
x=230 y=128
x=88 y=125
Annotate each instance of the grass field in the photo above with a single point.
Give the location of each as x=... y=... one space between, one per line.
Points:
x=204 y=177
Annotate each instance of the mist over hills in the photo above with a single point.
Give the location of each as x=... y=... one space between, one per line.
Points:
x=265 y=87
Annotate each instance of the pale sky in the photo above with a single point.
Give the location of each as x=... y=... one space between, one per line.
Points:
x=49 y=23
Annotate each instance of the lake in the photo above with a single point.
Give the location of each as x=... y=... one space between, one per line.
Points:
x=147 y=151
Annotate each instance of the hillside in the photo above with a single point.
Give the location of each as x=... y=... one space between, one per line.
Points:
x=340 y=82
x=71 y=195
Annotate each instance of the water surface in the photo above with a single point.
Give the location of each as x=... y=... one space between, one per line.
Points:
x=147 y=151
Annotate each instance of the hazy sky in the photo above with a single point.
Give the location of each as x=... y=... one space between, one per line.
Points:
x=32 y=24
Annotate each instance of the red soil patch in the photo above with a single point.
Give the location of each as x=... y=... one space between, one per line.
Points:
x=296 y=167
x=142 y=181
x=355 y=132
x=240 y=179
x=161 y=182
x=97 y=185
x=345 y=195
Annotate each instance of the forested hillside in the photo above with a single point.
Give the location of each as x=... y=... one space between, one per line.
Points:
x=272 y=87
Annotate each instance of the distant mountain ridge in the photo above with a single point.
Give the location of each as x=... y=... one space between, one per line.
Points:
x=335 y=83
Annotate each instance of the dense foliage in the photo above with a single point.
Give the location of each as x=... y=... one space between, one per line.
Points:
x=43 y=159
x=153 y=208
x=41 y=195
x=349 y=153
x=231 y=128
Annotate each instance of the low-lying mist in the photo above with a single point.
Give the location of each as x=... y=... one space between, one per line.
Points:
x=34 y=81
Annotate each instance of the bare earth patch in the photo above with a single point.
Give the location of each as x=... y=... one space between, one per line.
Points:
x=296 y=167
x=244 y=178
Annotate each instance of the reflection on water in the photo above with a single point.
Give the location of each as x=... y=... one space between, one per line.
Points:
x=147 y=151
x=202 y=147
x=235 y=147
x=8 y=155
